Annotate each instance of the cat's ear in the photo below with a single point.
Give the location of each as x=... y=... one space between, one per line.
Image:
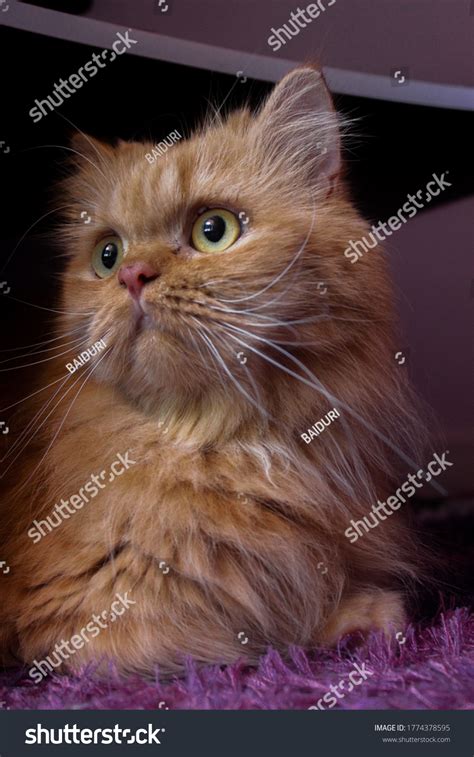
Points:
x=298 y=129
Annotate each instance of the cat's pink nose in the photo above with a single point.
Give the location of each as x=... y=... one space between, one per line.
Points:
x=135 y=276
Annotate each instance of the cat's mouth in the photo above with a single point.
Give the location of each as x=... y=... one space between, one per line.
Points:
x=141 y=315
x=148 y=320
x=144 y=322
x=154 y=324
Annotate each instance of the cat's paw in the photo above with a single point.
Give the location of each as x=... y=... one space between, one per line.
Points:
x=362 y=613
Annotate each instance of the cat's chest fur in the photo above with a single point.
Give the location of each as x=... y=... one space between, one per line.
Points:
x=165 y=516
x=137 y=480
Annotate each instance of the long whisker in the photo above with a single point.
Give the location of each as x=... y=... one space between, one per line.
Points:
x=62 y=207
x=38 y=416
x=205 y=356
x=221 y=361
x=41 y=352
x=65 y=416
x=281 y=294
x=83 y=340
x=316 y=384
x=32 y=394
x=47 y=341
x=271 y=321
x=218 y=110
x=285 y=270
x=348 y=475
x=249 y=375
x=284 y=324
x=69 y=149
x=31 y=423
x=278 y=297
x=97 y=152
x=50 y=310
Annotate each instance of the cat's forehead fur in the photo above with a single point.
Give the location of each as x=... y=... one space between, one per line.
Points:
x=214 y=165
x=288 y=150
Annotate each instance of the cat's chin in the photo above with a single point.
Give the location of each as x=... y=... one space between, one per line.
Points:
x=144 y=322
x=147 y=322
x=155 y=362
x=155 y=344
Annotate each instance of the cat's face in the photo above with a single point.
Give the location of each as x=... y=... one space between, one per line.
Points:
x=228 y=239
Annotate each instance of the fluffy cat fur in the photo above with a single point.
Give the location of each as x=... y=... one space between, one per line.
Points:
x=224 y=491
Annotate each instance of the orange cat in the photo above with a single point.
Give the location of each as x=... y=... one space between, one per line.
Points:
x=215 y=320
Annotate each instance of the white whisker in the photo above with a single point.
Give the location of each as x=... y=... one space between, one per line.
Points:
x=32 y=394
x=66 y=415
x=316 y=384
x=221 y=361
x=47 y=341
x=282 y=273
x=50 y=310
x=83 y=340
x=78 y=340
x=62 y=207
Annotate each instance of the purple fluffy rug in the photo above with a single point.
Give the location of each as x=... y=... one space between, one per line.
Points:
x=430 y=667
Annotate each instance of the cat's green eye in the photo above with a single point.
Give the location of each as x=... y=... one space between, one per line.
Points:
x=215 y=230
x=107 y=256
